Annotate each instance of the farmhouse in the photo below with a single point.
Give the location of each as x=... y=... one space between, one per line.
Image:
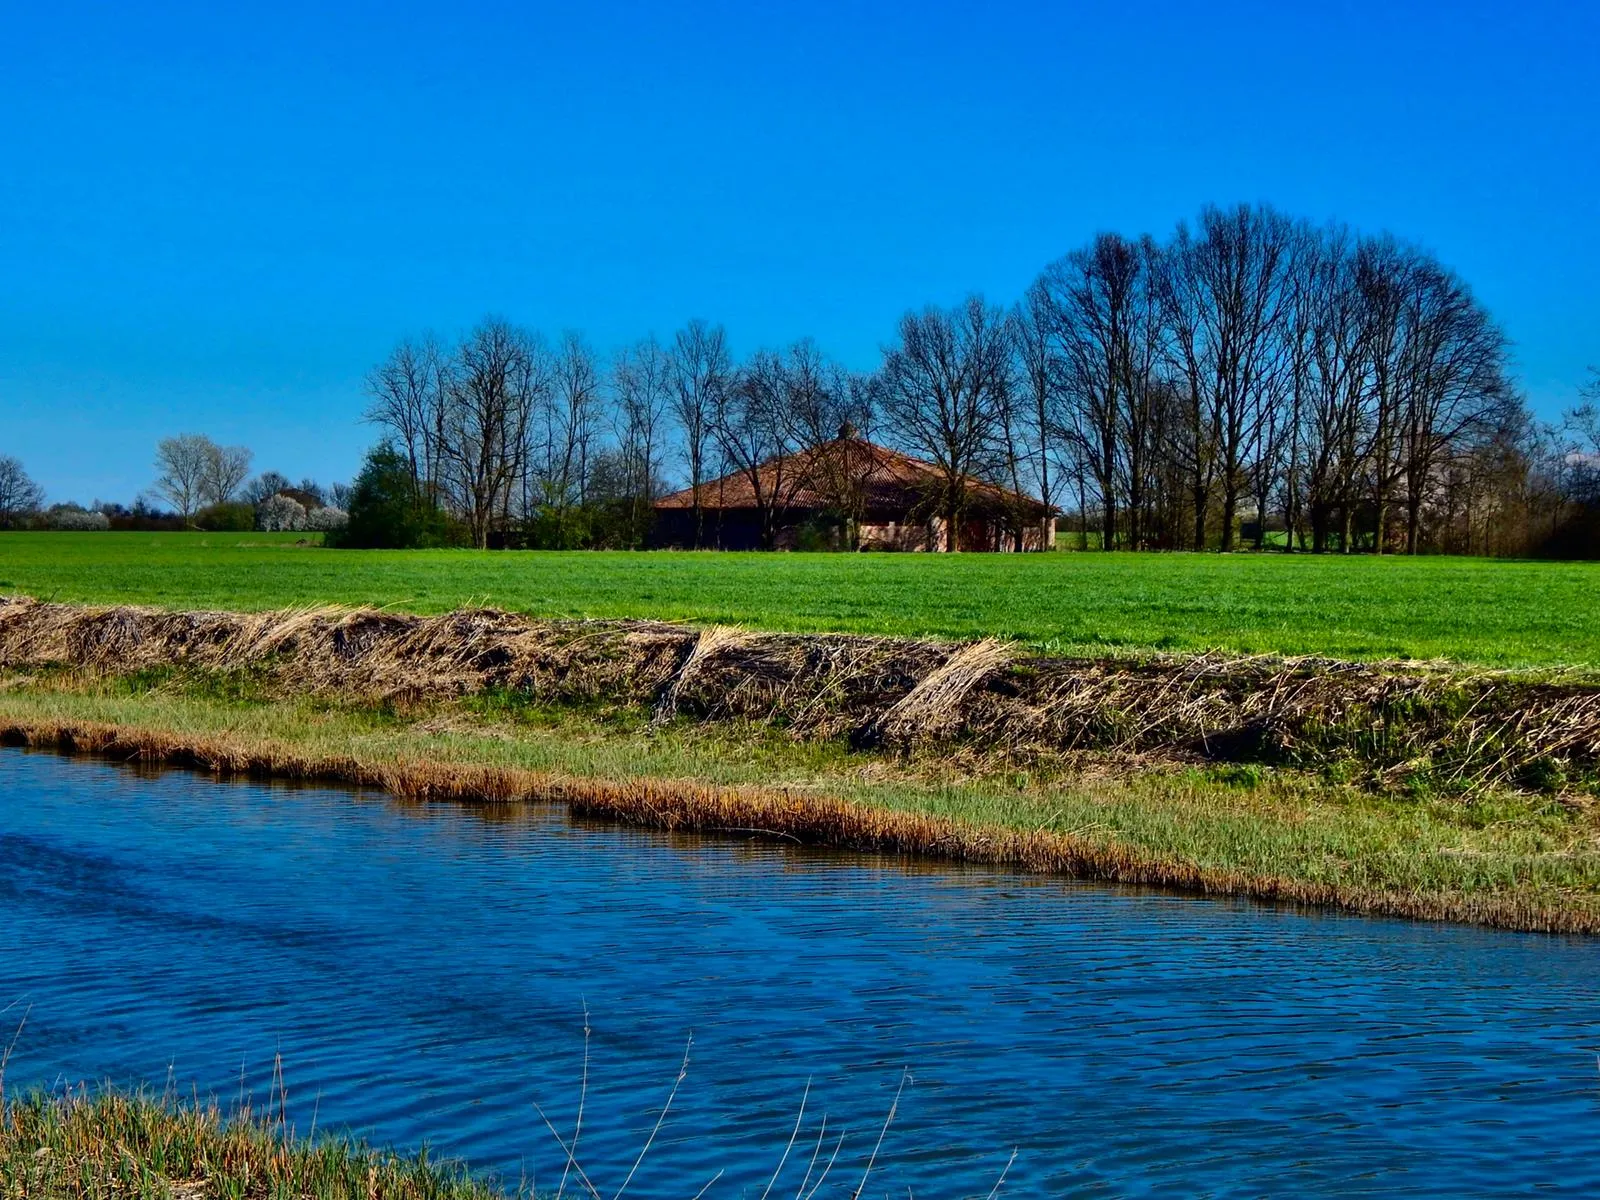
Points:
x=851 y=494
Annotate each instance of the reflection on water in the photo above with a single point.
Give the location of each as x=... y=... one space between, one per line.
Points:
x=424 y=972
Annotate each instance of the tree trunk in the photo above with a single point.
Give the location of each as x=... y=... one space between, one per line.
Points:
x=1413 y=522
x=1083 y=514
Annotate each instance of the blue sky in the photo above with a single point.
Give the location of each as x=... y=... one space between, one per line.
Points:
x=218 y=217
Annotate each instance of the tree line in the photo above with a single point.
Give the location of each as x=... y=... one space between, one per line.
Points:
x=199 y=484
x=1311 y=387
x=1250 y=379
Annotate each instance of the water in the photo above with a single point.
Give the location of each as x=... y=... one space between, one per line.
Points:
x=423 y=971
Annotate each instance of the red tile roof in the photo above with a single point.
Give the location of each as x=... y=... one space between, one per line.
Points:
x=890 y=479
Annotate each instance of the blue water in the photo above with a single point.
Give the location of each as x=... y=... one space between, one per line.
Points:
x=424 y=971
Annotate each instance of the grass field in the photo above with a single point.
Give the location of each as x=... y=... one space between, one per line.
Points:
x=1480 y=611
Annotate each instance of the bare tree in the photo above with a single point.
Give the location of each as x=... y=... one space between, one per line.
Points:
x=837 y=426
x=942 y=386
x=268 y=483
x=1193 y=437
x=408 y=392
x=642 y=380
x=1328 y=350
x=183 y=463
x=758 y=427
x=700 y=371
x=1582 y=423
x=19 y=495
x=488 y=408
x=1278 y=404
x=1039 y=390
x=1385 y=273
x=574 y=419
x=1453 y=382
x=1226 y=307
x=226 y=469
x=1103 y=316
x=1590 y=392
x=1013 y=445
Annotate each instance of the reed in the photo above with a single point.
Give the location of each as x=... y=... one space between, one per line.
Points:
x=1390 y=724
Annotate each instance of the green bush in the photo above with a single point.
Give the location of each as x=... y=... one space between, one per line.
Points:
x=387 y=513
x=226 y=518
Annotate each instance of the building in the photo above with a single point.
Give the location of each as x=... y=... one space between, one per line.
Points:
x=850 y=494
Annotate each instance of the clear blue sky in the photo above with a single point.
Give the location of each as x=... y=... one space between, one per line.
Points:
x=217 y=217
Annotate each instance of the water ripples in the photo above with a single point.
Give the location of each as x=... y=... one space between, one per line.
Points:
x=424 y=973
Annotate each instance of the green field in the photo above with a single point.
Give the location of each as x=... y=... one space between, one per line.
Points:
x=1481 y=611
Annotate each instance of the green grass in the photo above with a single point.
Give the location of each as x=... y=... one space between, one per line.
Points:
x=1499 y=613
x=115 y=1145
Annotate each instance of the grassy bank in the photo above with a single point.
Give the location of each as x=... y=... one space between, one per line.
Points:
x=105 y=1145
x=1389 y=726
x=1466 y=610
x=1497 y=857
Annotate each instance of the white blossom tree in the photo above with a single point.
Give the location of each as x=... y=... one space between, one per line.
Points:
x=280 y=514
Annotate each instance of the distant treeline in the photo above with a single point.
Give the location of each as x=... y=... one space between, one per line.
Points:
x=1309 y=387
x=1251 y=379
x=203 y=486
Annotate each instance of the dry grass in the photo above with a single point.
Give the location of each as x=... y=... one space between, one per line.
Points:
x=1056 y=765
x=933 y=708
x=712 y=641
x=1459 y=729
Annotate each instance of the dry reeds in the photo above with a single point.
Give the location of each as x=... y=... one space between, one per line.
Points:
x=934 y=707
x=1466 y=729
x=712 y=640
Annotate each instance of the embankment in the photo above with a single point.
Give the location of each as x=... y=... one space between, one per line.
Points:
x=1388 y=723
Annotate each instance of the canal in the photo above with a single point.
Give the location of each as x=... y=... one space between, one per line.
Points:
x=423 y=973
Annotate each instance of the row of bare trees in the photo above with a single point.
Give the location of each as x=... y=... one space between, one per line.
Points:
x=496 y=426
x=507 y=427
x=1320 y=380
x=1252 y=372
